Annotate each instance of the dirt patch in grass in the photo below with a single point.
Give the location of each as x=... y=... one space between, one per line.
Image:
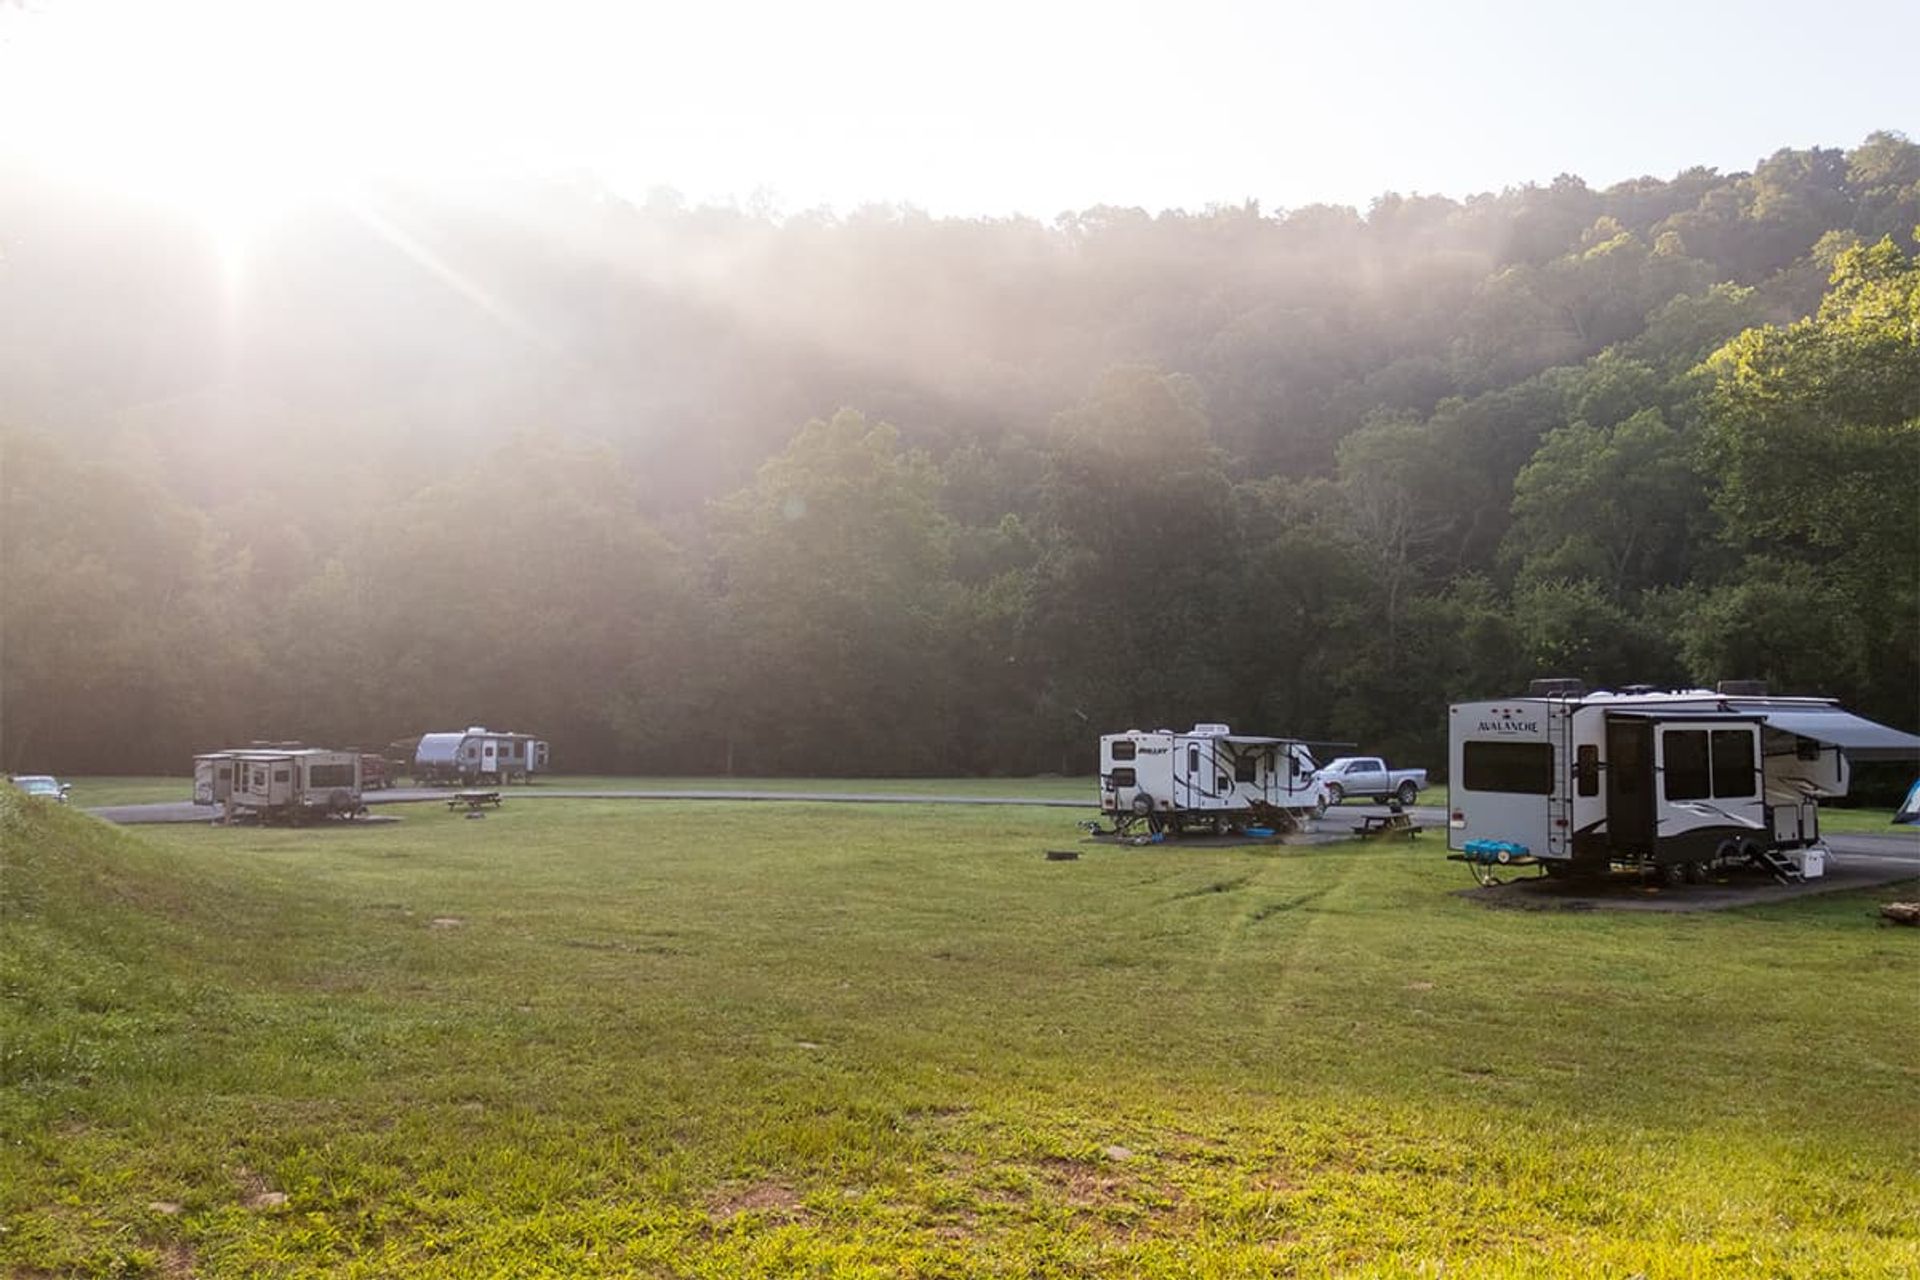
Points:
x=179 y=1260
x=256 y=1192
x=1083 y=1185
x=770 y=1197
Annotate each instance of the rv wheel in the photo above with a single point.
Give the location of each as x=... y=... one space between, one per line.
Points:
x=1673 y=874
x=1697 y=872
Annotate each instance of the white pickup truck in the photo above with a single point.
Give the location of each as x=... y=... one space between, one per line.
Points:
x=1369 y=776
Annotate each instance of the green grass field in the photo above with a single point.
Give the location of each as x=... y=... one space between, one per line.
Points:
x=586 y=1037
x=1050 y=788
x=89 y=792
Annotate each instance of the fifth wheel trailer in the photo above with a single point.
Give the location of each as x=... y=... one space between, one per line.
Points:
x=296 y=785
x=1208 y=777
x=1672 y=782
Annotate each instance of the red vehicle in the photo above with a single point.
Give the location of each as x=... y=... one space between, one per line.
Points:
x=374 y=772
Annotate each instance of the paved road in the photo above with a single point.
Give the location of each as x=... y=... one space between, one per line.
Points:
x=1881 y=848
x=183 y=811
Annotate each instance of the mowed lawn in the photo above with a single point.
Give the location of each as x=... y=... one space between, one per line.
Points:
x=89 y=792
x=585 y=1037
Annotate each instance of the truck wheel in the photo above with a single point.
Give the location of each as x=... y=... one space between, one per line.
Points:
x=1335 y=793
x=1408 y=793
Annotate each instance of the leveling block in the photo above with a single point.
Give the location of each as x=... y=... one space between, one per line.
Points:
x=1485 y=858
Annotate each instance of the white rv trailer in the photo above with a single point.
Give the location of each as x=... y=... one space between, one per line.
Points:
x=1208 y=777
x=1674 y=782
x=294 y=786
x=479 y=755
x=213 y=777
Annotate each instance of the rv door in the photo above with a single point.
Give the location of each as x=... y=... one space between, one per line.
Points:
x=1630 y=797
x=1197 y=786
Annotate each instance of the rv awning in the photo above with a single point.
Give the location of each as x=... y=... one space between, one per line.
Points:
x=1860 y=738
x=1240 y=740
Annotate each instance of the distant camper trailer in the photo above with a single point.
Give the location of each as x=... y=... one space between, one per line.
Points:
x=479 y=755
x=213 y=777
x=1208 y=779
x=295 y=786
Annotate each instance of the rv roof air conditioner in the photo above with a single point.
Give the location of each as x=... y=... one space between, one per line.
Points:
x=1556 y=687
x=1742 y=688
x=1211 y=730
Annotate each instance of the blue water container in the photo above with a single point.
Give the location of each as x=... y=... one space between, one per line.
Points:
x=1494 y=851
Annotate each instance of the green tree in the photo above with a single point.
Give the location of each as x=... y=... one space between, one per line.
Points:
x=1620 y=505
x=834 y=565
x=1137 y=523
x=1812 y=433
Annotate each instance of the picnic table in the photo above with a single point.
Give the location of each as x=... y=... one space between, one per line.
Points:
x=1387 y=824
x=475 y=801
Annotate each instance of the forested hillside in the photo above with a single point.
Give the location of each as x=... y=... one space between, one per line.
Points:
x=697 y=489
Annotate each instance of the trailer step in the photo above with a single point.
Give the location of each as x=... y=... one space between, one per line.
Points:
x=1778 y=865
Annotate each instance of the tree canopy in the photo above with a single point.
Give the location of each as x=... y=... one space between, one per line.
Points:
x=695 y=488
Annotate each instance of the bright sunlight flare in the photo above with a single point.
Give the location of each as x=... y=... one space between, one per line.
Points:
x=236 y=111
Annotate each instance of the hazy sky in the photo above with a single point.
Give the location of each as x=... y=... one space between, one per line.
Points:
x=993 y=106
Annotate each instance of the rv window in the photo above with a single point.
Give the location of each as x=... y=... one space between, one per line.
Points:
x=330 y=775
x=1193 y=759
x=1686 y=764
x=280 y=775
x=1123 y=749
x=1122 y=777
x=1732 y=763
x=1522 y=768
x=1586 y=770
x=1246 y=769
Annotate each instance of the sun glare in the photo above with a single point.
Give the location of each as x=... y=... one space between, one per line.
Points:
x=236 y=112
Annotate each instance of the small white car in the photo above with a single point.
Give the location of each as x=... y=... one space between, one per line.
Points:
x=39 y=784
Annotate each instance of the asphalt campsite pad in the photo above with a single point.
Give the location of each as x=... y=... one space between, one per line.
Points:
x=1739 y=887
x=780 y=1038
